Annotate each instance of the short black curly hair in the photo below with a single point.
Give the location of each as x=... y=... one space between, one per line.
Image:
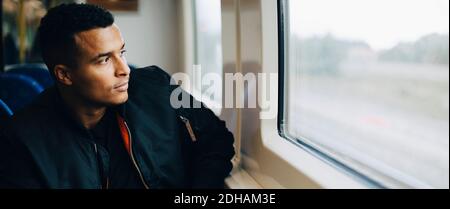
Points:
x=58 y=28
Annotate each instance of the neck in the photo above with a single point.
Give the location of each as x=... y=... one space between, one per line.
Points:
x=88 y=114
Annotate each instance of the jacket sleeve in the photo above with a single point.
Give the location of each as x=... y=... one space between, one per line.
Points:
x=212 y=151
x=208 y=159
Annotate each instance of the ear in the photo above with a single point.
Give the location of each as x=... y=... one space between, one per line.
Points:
x=63 y=75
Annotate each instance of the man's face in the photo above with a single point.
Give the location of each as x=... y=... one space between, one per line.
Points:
x=103 y=73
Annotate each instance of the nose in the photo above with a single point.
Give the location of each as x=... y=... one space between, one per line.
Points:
x=122 y=68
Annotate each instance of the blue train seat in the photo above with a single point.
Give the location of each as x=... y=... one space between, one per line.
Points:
x=18 y=90
x=38 y=72
x=4 y=110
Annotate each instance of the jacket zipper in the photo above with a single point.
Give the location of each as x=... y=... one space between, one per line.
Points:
x=98 y=168
x=134 y=160
x=188 y=125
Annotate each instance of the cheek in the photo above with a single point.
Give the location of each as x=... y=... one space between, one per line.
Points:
x=94 y=86
x=99 y=87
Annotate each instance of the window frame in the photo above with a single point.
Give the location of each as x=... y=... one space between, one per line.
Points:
x=275 y=162
x=283 y=59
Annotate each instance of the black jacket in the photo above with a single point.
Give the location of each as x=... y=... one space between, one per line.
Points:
x=43 y=147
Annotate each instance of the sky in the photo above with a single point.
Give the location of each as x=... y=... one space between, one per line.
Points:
x=380 y=23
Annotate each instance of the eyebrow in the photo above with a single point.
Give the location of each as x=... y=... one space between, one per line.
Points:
x=107 y=54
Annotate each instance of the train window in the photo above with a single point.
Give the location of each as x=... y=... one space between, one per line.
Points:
x=208 y=51
x=366 y=86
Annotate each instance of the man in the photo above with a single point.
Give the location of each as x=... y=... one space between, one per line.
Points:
x=103 y=126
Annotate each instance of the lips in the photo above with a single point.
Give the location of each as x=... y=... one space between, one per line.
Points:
x=122 y=87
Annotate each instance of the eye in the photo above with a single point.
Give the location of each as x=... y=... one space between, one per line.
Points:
x=122 y=53
x=104 y=61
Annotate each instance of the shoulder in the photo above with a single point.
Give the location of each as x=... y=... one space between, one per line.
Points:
x=29 y=120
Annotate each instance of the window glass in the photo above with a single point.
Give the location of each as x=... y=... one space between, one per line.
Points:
x=208 y=49
x=367 y=83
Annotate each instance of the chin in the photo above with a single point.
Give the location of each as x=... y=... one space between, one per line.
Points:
x=120 y=99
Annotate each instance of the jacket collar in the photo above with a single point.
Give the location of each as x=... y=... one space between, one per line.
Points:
x=51 y=98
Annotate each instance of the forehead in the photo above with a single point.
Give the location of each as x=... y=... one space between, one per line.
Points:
x=99 y=40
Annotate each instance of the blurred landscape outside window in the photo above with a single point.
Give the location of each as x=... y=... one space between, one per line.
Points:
x=368 y=84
